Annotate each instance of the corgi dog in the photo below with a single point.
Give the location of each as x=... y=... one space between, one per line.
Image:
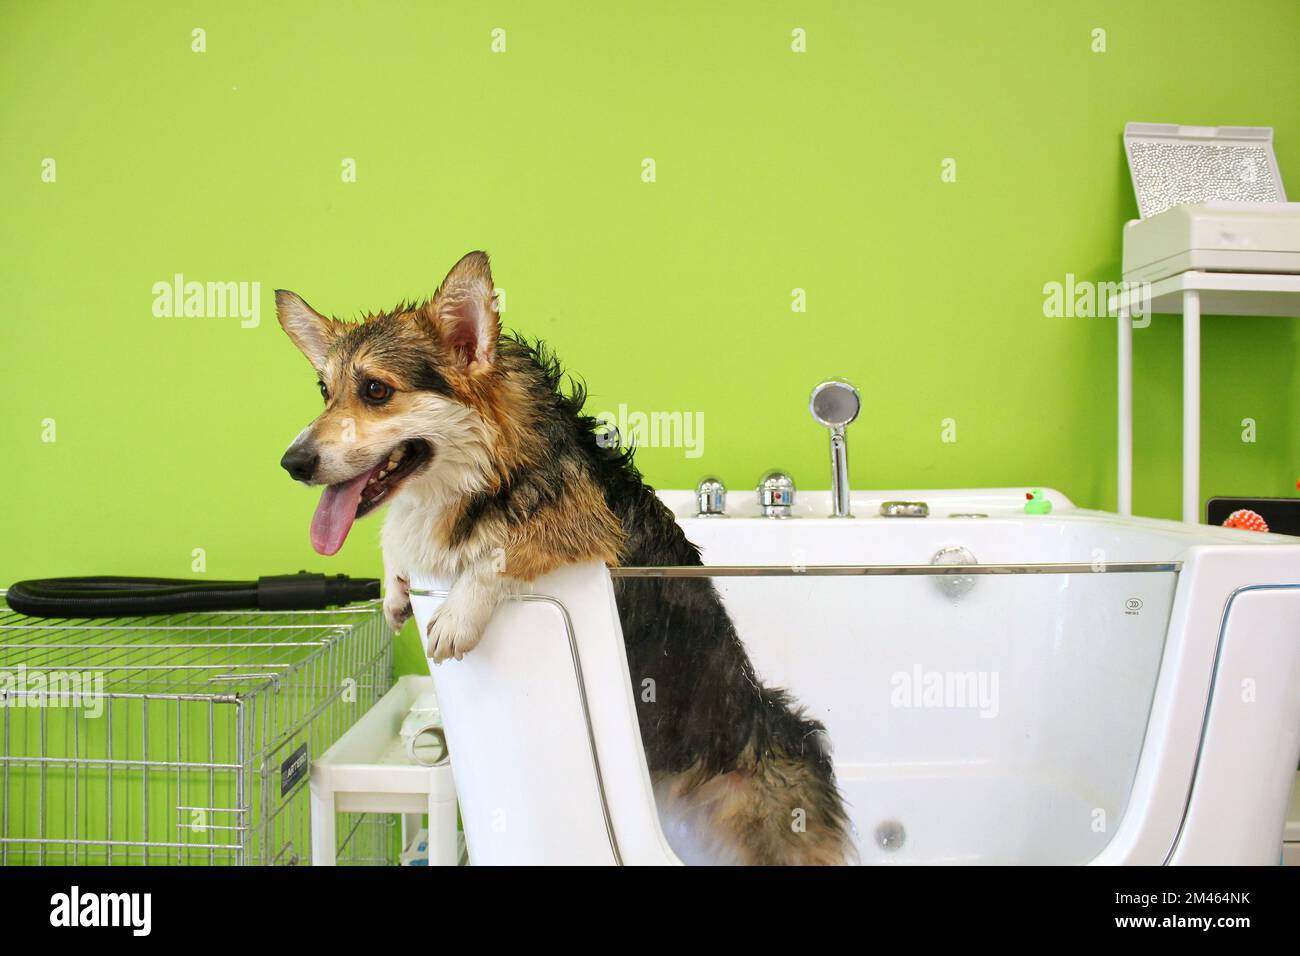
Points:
x=493 y=477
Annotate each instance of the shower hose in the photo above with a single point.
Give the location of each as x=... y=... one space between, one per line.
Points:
x=121 y=596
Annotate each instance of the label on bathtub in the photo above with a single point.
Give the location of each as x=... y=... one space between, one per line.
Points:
x=293 y=769
x=1133 y=606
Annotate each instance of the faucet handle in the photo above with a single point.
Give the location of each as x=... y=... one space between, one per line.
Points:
x=776 y=494
x=711 y=498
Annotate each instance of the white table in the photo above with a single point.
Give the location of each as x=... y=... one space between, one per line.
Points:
x=1191 y=294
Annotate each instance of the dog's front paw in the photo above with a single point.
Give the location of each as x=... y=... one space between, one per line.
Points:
x=397 y=603
x=451 y=634
x=396 y=614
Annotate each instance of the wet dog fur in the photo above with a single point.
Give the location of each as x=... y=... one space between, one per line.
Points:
x=495 y=477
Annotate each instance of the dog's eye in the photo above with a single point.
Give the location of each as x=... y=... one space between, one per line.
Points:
x=324 y=392
x=377 y=391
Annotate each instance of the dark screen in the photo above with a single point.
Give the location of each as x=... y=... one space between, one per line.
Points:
x=1282 y=514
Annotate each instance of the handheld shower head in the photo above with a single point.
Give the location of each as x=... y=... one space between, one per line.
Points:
x=835 y=404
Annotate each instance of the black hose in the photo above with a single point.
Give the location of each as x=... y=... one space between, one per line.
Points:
x=120 y=597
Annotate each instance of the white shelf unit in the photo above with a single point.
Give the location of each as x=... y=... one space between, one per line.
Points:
x=1190 y=294
x=368 y=771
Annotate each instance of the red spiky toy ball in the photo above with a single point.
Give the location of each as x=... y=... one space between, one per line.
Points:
x=1247 y=520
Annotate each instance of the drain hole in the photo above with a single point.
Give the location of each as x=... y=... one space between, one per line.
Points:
x=890 y=835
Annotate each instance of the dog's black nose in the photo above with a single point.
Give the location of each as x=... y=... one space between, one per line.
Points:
x=300 y=463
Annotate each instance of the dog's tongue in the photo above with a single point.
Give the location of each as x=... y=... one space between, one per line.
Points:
x=335 y=513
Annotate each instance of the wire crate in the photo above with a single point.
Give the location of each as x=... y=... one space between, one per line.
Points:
x=184 y=739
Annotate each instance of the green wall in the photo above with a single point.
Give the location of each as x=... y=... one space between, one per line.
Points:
x=775 y=170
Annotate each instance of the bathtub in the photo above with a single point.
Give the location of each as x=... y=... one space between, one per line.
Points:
x=1100 y=689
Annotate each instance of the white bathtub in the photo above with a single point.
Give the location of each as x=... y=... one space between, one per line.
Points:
x=1142 y=707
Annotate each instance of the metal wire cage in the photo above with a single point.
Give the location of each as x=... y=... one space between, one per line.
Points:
x=184 y=739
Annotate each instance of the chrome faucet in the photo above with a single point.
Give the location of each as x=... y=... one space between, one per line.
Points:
x=711 y=498
x=836 y=404
x=776 y=494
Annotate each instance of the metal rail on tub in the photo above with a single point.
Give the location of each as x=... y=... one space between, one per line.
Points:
x=885 y=570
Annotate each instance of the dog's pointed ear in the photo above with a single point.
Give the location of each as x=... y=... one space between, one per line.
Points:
x=464 y=312
x=310 y=331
